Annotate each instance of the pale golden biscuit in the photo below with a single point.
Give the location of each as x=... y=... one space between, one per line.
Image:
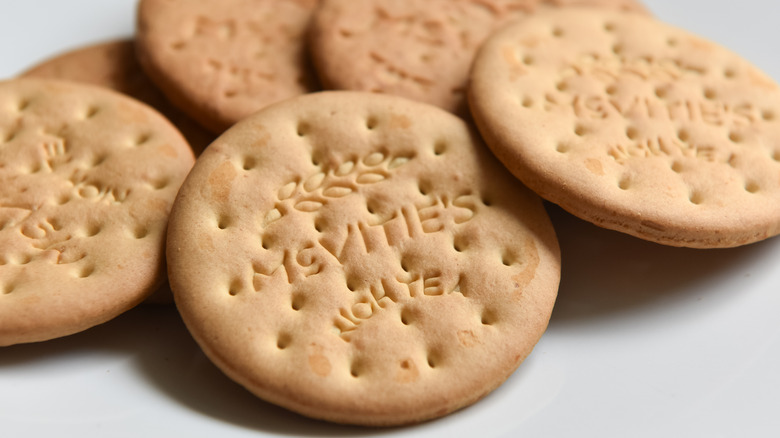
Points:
x=221 y=60
x=417 y=49
x=113 y=65
x=87 y=179
x=361 y=259
x=634 y=125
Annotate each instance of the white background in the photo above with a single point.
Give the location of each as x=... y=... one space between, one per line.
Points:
x=645 y=340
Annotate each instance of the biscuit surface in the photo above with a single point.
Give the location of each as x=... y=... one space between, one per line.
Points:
x=634 y=125
x=417 y=49
x=113 y=65
x=361 y=259
x=88 y=178
x=220 y=61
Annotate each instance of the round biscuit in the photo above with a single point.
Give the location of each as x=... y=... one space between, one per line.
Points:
x=220 y=61
x=421 y=50
x=113 y=65
x=634 y=125
x=87 y=179
x=361 y=259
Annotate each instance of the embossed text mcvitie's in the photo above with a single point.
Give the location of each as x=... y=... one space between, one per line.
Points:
x=361 y=258
x=634 y=125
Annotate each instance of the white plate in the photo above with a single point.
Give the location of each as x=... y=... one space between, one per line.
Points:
x=645 y=340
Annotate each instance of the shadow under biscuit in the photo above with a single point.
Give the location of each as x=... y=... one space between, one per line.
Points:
x=607 y=273
x=187 y=377
x=159 y=347
x=116 y=337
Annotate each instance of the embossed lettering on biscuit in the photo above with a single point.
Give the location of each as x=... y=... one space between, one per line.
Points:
x=367 y=264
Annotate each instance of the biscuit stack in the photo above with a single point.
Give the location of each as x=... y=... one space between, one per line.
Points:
x=367 y=256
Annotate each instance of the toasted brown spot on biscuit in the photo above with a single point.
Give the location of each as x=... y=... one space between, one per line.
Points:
x=467 y=338
x=531 y=261
x=595 y=166
x=407 y=372
x=221 y=181
x=400 y=121
x=320 y=365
